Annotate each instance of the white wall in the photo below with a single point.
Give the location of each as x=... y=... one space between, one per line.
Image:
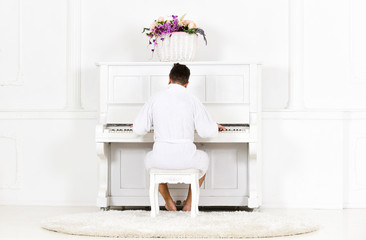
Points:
x=312 y=53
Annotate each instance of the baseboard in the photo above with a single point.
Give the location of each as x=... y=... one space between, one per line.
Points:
x=303 y=205
x=354 y=205
x=51 y=203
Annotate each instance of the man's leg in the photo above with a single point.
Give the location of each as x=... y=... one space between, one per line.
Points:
x=187 y=203
x=169 y=203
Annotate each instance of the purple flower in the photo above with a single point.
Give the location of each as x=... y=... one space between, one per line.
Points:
x=167 y=27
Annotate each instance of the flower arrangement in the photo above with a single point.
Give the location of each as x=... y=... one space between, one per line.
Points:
x=160 y=28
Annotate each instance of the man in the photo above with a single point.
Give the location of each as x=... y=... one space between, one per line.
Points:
x=175 y=114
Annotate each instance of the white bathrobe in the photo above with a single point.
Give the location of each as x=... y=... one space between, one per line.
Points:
x=175 y=114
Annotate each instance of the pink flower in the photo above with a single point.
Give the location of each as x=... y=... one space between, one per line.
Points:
x=153 y=24
x=186 y=22
x=160 y=19
x=192 y=25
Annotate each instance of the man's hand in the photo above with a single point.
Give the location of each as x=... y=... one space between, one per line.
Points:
x=221 y=128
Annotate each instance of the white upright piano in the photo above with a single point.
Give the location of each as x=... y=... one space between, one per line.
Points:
x=232 y=94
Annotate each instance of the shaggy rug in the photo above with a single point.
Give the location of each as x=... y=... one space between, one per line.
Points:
x=139 y=224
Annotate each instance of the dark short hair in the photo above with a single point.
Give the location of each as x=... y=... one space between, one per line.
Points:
x=179 y=74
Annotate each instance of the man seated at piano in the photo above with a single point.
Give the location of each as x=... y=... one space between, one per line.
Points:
x=176 y=114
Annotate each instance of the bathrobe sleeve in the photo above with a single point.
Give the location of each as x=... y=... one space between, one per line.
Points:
x=144 y=120
x=203 y=122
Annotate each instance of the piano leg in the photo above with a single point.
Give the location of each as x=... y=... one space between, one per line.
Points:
x=103 y=209
x=104 y=191
x=254 y=176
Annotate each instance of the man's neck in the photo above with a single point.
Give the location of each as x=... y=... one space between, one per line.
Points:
x=185 y=86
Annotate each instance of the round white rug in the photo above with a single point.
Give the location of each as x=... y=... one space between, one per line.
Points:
x=139 y=224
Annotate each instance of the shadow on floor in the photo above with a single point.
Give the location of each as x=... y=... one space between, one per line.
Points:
x=201 y=208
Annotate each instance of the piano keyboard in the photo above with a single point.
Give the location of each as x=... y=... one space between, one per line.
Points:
x=126 y=128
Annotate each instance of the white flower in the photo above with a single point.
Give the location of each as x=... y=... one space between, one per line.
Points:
x=160 y=19
x=182 y=17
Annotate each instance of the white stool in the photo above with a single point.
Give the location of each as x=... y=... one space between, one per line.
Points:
x=188 y=176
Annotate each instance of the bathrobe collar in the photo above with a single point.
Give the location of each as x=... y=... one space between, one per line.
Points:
x=175 y=85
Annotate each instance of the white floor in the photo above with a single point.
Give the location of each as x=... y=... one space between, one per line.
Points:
x=22 y=222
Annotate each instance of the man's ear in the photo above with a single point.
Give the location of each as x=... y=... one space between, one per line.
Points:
x=170 y=80
x=185 y=85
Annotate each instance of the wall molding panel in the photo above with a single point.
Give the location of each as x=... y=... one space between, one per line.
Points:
x=9 y=162
x=355 y=180
x=326 y=114
x=296 y=55
x=357 y=49
x=73 y=54
x=18 y=78
x=73 y=108
x=47 y=114
x=358 y=165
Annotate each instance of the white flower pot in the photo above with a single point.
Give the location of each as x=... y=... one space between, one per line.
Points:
x=180 y=46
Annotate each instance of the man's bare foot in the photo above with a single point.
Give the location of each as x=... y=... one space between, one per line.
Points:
x=170 y=206
x=186 y=206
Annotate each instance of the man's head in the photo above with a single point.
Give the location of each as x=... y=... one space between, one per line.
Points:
x=179 y=74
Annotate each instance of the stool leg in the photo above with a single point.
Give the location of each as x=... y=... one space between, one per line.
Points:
x=197 y=194
x=152 y=195
x=156 y=198
x=194 y=196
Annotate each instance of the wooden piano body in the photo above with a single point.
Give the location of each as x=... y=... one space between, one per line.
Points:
x=232 y=94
